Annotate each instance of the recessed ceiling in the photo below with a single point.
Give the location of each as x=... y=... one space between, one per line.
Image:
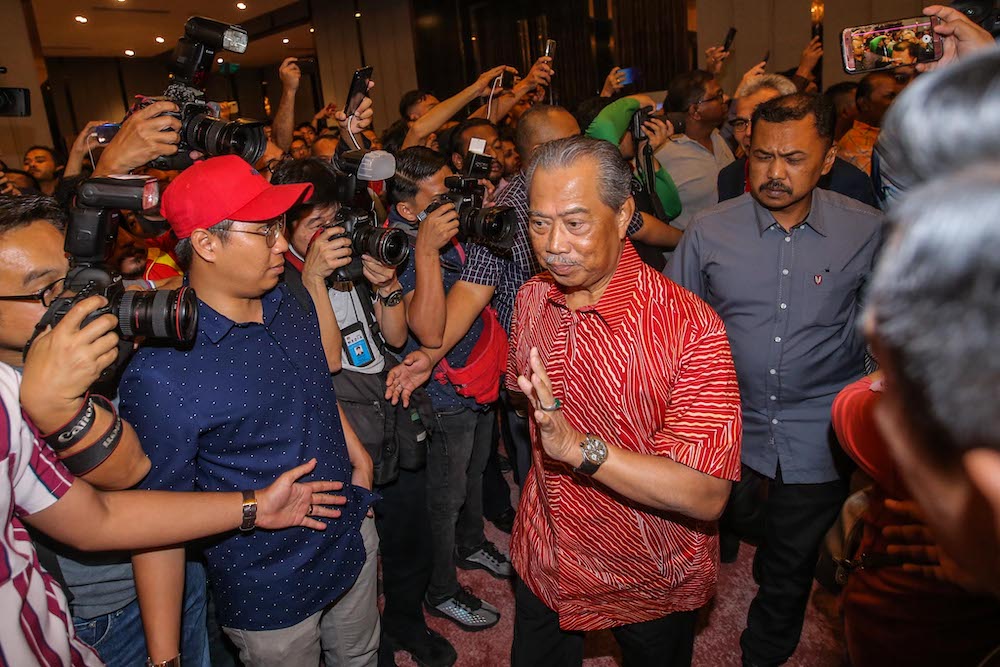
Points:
x=113 y=26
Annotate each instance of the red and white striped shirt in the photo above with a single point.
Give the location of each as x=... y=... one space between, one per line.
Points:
x=35 y=624
x=648 y=368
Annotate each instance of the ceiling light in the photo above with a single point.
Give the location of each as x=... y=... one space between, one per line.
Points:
x=241 y=5
x=80 y=19
x=219 y=61
x=160 y=40
x=129 y=52
x=284 y=41
x=312 y=29
x=357 y=15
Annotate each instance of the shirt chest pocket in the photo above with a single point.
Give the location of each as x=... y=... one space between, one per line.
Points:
x=827 y=298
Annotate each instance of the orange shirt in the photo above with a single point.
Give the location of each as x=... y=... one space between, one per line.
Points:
x=648 y=369
x=857 y=144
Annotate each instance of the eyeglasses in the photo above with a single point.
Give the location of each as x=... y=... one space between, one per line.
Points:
x=273 y=163
x=46 y=295
x=270 y=233
x=717 y=96
x=739 y=124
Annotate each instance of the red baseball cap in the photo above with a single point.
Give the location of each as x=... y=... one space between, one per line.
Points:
x=225 y=188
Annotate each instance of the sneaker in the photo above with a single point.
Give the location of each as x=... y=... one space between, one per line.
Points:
x=427 y=648
x=487 y=557
x=466 y=610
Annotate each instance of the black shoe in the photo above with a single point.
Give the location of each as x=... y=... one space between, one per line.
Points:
x=505 y=521
x=428 y=650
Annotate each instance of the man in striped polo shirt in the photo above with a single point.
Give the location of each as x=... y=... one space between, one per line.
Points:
x=635 y=427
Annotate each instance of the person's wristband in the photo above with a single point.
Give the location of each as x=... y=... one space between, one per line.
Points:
x=173 y=662
x=98 y=452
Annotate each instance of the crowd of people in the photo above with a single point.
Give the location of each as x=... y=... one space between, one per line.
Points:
x=691 y=338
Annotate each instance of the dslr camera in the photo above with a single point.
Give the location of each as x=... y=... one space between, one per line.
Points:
x=492 y=226
x=388 y=246
x=158 y=315
x=201 y=128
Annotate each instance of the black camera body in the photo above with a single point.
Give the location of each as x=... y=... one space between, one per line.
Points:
x=639 y=118
x=486 y=225
x=159 y=315
x=201 y=128
x=386 y=245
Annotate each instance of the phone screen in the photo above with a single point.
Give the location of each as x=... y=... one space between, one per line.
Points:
x=359 y=89
x=891 y=44
x=629 y=74
x=550 y=48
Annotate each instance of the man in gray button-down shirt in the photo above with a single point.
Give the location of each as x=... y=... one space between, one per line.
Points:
x=784 y=266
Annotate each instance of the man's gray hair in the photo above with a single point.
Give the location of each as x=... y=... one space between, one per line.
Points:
x=783 y=85
x=942 y=122
x=614 y=176
x=936 y=308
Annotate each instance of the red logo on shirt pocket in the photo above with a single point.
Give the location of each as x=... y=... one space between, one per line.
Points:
x=818 y=279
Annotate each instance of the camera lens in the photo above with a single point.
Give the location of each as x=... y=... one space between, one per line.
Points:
x=170 y=315
x=213 y=136
x=389 y=246
x=491 y=226
x=393 y=247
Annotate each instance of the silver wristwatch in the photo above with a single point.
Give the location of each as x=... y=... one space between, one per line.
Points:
x=595 y=452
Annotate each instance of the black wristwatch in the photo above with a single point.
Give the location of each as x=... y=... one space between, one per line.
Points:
x=595 y=452
x=394 y=299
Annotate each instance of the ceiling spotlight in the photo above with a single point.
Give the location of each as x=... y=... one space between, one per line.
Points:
x=285 y=41
x=241 y=5
x=129 y=52
x=357 y=15
x=219 y=61
x=312 y=29
x=80 y=19
x=473 y=38
x=160 y=40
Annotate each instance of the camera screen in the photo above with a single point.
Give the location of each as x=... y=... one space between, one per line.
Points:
x=890 y=44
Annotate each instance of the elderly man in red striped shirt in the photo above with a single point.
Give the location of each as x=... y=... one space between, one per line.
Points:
x=635 y=427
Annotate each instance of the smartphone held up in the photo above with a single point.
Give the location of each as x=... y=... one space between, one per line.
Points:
x=889 y=44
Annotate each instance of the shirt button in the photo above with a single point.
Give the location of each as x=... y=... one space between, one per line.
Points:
x=783 y=306
x=784 y=272
x=788 y=239
x=773 y=397
x=774 y=421
x=773 y=372
x=777 y=339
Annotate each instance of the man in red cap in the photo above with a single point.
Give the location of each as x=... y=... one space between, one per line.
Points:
x=252 y=394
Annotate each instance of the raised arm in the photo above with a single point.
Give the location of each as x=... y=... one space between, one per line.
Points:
x=284 y=118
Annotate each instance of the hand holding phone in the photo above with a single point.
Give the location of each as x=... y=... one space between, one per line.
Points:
x=358 y=90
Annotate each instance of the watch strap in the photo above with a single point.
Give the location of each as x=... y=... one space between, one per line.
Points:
x=587 y=467
x=249 y=511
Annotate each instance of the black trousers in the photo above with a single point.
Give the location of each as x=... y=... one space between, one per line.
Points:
x=796 y=518
x=405 y=538
x=496 y=491
x=538 y=641
x=516 y=438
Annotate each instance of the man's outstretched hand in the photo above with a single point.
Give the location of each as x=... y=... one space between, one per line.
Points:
x=288 y=502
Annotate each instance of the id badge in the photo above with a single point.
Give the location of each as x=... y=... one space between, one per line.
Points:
x=357 y=346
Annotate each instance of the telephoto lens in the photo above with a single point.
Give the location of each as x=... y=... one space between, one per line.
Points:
x=168 y=315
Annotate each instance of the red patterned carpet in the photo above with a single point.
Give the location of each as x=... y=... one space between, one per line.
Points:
x=717 y=643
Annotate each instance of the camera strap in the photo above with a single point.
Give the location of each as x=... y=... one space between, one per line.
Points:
x=649 y=177
x=367 y=300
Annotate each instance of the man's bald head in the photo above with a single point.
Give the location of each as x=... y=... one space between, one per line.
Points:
x=541 y=124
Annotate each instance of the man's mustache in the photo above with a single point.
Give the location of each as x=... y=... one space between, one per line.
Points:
x=775 y=185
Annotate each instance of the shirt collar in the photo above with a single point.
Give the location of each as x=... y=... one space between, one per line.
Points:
x=815 y=218
x=616 y=302
x=861 y=126
x=216 y=326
